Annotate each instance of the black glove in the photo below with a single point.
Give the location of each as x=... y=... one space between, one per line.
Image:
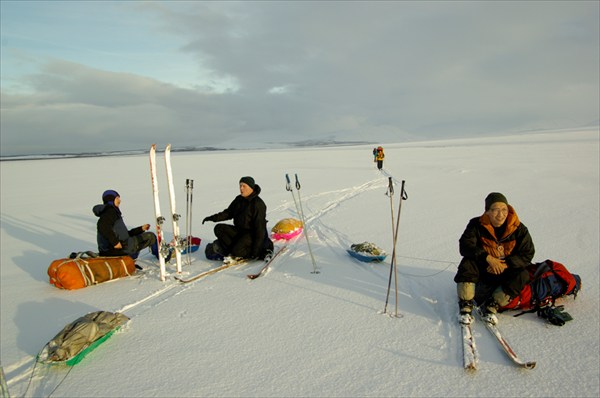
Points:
x=555 y=315
x=207 y=219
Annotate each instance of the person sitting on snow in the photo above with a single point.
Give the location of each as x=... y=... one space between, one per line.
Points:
x=496 y=249
x=114 y=239
x=248 y=236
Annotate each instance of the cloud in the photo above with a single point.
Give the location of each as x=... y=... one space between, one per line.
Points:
x=296 y=70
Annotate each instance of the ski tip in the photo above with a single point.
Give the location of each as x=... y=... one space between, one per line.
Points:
x=530 y=365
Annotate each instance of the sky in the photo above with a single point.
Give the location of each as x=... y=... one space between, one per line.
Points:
x=116 y=75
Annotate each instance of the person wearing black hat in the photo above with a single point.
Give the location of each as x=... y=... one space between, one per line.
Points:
x=248 y=236
x=496 y=249
x=114 y=239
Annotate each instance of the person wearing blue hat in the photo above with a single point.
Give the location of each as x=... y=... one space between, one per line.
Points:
x=247 y=237
x=113 y=236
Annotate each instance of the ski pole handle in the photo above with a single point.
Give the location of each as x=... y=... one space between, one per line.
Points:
x=390 y=187
x=288 y=184
x=297 y=182
x=403 y=194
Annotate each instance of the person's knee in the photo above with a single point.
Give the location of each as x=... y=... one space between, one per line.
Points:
x=150 y=238
x=468 y=271
x=465 y=291
x=500 y=297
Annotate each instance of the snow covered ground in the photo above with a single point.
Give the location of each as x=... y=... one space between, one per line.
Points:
x=293 y=333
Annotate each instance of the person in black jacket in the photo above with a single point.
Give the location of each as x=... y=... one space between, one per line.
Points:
x=496 y=249
x=114 y=239
x=248 y=236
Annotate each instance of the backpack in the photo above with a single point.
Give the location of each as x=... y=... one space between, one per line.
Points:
x=549 y=281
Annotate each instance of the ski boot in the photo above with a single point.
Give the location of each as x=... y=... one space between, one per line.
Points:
x=489 y=311
x=465 y=315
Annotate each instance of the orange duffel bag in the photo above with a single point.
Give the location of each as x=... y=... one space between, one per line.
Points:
x=85 y=269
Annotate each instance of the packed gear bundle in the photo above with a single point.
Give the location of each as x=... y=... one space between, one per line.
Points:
x=287 y=229
x=86 y=268
x=367 y=252
x=80 y=337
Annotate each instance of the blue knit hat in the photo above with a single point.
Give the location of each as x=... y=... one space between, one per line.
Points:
x=109 y=196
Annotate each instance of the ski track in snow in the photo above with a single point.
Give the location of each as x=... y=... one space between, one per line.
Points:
x=432 y=309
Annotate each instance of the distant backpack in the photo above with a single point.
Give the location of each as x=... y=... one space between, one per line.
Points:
x=549 y=281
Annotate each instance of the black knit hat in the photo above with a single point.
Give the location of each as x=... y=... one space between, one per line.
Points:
x=109 y=196
x=494 y=197
x=248 y=181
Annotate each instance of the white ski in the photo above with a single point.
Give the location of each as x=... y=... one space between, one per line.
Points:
x=158 y=217
x=175 y=217
x=227 y=263
x=470 y=354
x=504 y=344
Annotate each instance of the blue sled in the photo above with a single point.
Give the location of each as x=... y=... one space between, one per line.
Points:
x=366 y=257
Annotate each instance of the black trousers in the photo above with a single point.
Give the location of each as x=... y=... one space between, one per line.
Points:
x=234 y=241
x=133 y=246
x=512 y=280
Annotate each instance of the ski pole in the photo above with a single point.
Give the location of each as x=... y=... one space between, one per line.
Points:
x=189 y=185
x=302 y=218
x=403 y=197
x=288 y=187
x=304 y=223
x=390 y=193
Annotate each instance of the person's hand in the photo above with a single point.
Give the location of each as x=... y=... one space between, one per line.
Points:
x=145 y=227
x=118 y=246
x=495 y=265
x=206 y=219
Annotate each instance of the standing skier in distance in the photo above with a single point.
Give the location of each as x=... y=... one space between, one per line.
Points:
x=496 y=249
x=114 y=239
x=248 y=236
x=379 y=157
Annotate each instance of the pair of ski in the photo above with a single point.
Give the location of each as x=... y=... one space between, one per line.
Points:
x=230 y=262
x=163 y=246
x=470 y=353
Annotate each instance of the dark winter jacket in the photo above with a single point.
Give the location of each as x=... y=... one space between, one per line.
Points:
x=514 y=245
x=112 y=229
x=248 y=214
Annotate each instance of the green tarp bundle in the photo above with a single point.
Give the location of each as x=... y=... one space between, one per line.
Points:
x=81 y=336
